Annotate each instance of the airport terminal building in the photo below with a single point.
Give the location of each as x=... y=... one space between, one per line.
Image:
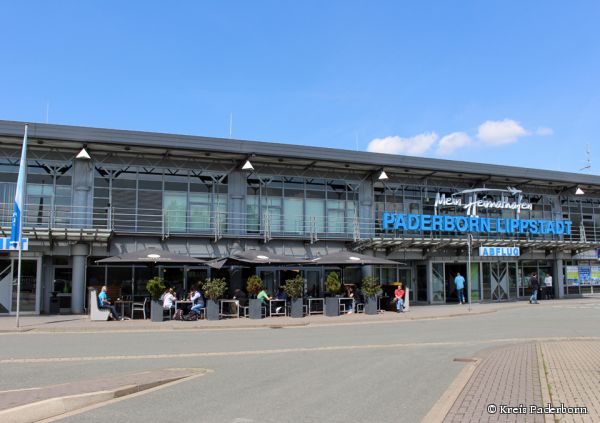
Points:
x=209 y=198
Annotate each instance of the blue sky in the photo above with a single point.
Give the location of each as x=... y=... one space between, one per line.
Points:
x=506 y=82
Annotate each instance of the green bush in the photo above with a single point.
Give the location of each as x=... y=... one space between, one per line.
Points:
x=332 y=284
x=254 y=285
x=294 y=288
x=371 y=286
x=214 y=288
x=156 y=287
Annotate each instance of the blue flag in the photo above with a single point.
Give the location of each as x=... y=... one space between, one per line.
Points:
x=15 y=233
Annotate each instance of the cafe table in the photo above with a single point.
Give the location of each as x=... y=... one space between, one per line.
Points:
x=123 y=303
x=277 y=307
x=313 y=302
x=345 y=301
x=228 y=312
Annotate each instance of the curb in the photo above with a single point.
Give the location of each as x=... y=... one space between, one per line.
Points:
x=54 y=407
x=443 y=405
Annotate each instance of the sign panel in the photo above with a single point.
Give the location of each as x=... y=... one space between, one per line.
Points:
x=499 y=252
x=572 y=275
x=595 y=270
x=448 y=223
x=6 y=244
x=585 y=275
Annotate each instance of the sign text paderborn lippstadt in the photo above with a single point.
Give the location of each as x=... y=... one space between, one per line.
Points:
x=472 y=222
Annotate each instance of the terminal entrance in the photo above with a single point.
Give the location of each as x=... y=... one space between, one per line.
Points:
x=453 y=269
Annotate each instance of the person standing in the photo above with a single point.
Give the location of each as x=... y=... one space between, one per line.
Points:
x=459 y=281
x=535 y=286
x=548 y=283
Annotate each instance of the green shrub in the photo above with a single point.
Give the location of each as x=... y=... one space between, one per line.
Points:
x=254 y=285
x=156 y=287
x=332 y=284
x=371 y=286
x=214 y=288
x=294 y=288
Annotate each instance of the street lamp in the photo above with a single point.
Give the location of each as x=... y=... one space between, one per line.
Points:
x=469 y=245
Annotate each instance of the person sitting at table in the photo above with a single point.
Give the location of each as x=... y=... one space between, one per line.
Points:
x=350 y=293
x=264 y=297
x=399 y=298
x=197 y=301
x=281 y=295
x=169 y=299
x=104 y=303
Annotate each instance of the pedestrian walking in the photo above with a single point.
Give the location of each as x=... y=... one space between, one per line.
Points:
x=549 y=290
x=535 y=286
x=459 y=281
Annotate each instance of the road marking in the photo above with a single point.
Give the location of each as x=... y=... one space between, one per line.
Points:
x=282 y=350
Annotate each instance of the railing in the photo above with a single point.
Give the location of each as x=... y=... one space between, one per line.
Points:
x=267 y=226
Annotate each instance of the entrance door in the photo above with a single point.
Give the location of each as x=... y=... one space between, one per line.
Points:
x=499 y=281
x=314 y=282
x=30 y=285
x=452 y=270
x=270 y=279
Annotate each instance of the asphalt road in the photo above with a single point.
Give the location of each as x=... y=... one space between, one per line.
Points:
x=388 y=372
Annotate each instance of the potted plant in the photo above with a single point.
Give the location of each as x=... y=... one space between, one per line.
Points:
x=254 y=285
x=371 y=290
x=332 y=288
x=213 y=290
x=156 y=287
x=294 y=288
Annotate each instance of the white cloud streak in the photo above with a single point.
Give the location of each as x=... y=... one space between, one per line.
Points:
x=452 y=142
x=500 y=132
x=544 y=131
x=413 y=146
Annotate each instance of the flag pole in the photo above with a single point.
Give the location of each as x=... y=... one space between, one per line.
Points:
x=21 y=184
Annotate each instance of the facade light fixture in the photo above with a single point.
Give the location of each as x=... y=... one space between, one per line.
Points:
x=579 y=191
x=83 y=154
x=382 y=176
x=247 y=166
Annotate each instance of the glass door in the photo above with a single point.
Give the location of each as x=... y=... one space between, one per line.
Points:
x=314 y=282
x=269 y=278
x=30 y=287
x=437 y=283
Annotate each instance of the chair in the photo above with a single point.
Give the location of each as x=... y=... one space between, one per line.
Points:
x=139 y=306
x=95 y=312
x=360 y=307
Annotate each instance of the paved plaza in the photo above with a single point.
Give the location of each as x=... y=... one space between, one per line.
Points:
x=438 y=363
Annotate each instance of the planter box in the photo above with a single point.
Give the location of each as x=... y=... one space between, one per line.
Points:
x=297 y=307
x=371 y=305
x=255 y=309
x=156 y=311
x=212 y=310
x=332 y=306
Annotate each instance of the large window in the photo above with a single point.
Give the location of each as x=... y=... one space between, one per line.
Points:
x=301 y=206
x=149 y=199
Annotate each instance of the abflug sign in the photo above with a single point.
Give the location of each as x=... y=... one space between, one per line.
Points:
x=472 y=222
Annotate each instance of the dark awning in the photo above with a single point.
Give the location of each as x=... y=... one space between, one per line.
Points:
x=351 y=258
x=256 y=257
x=151 y=255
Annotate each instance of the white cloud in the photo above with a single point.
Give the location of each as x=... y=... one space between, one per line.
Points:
x=413 y=146
x=500 y=132
x=544 y=131
x=453 y=142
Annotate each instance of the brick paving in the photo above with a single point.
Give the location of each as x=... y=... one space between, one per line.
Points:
x=573 y=374
x=514 y=375
x=506 y=376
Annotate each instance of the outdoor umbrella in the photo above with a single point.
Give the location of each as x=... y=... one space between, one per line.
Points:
x=256 y=257
x=350 y=258
x=151 y=255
